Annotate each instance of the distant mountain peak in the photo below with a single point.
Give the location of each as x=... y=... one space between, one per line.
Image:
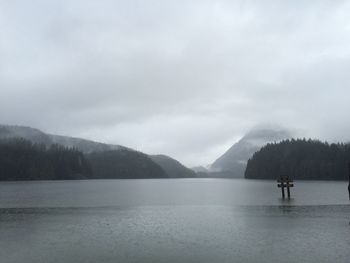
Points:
x=235 y=159
x=267 y=134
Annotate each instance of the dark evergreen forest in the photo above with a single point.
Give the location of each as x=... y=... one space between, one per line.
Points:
x=124 y=164
x=300 y=159
x=24 y=160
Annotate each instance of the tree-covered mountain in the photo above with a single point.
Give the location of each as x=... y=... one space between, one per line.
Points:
x=233 y=162
x=124 y=164
x=107 y=161
x=300 y=159
x=172 y=167
x=23 y=160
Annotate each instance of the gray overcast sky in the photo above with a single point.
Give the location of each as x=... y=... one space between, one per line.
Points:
x=184 y=78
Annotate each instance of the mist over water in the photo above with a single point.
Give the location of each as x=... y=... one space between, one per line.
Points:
x=173 y=220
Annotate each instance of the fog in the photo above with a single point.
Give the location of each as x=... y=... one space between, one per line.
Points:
x=183 y=78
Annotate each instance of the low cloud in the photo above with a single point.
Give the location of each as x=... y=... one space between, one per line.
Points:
x=184 y=78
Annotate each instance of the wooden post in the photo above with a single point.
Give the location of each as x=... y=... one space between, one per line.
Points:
x=285 y=182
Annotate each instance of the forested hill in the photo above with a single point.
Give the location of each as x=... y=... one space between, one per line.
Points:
x=24 y=160
x=122 y=161
x=300 y=159
x=124 y=164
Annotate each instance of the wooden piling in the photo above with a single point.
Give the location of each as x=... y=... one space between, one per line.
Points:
x=285 y=182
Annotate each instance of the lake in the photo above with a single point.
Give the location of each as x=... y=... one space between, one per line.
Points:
x=173 y=220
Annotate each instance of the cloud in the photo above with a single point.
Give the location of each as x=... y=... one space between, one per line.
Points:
x=185 y=78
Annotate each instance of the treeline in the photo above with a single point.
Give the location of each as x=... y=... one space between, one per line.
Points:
x=300 y=159
x=24 y=160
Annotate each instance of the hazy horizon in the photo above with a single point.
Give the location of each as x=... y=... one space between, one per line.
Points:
x=182 y=78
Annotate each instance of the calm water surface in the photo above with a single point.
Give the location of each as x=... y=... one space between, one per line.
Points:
x=175 y=220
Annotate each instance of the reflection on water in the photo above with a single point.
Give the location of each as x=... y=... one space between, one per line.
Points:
x=285 y=209
x=176 y=234
x=173 y=221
